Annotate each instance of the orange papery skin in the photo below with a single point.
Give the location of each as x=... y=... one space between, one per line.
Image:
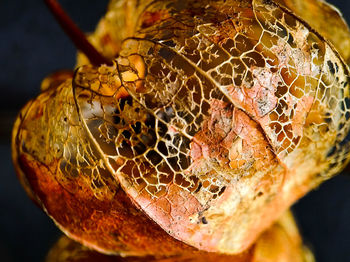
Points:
x=197 y=138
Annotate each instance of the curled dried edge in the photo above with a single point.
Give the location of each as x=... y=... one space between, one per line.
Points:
x=281 y=242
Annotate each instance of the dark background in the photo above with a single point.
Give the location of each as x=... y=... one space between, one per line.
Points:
x=32 y=46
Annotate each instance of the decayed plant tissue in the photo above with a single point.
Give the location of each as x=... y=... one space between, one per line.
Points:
x=212 y=120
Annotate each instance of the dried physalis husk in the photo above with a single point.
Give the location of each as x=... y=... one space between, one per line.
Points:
x=281 y=242
x=215 y=117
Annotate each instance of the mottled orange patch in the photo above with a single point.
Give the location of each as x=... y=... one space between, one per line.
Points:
x=231 y=138
x=172 y=211
x=301 y=112
x=299 y=57
x=259 y=99
x=216 y=135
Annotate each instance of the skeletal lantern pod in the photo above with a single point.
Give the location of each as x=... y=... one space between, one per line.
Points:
x=213 y=118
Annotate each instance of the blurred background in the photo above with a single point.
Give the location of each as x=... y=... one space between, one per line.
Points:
x=32 y=46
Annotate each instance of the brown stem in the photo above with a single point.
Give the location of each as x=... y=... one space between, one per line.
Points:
x=75 y=34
